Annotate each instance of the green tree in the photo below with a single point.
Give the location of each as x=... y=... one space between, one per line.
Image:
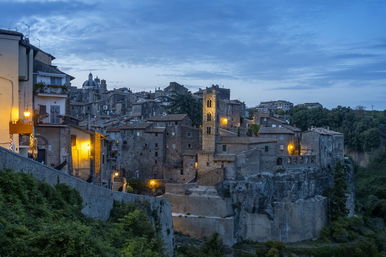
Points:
x=181 y=104
x=337 y=194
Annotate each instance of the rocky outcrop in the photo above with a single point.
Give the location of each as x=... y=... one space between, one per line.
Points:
x=286 y=206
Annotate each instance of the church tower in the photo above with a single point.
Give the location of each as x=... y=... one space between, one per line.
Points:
x=210 y=123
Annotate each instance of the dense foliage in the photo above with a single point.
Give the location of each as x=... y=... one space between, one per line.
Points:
x=337 y=194
x=213 y=247
x=363 y=130
x=37 y=219
x=181 y=104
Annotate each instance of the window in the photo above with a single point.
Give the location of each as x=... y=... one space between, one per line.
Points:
x=42 y=109
x=56 y=81
x=73 y=140
x=155 y=161
x=207 y=164
x=175 y=123
x=208 y=117
x=224 y=148
x=156 y=145
x=189 y=134
x=209 y=103
x=54 y=114
x=282 y=147
x=208 y=130
x=279 y=161
x=156 y=154
x=189 y=146
x=266 y=148
x=156 y=134
x=181 y=172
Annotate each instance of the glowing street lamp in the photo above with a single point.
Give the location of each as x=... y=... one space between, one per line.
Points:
x=291 y=148
x=27 y=114
x=116 y=174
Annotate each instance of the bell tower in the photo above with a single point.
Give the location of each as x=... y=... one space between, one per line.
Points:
x=210 y=122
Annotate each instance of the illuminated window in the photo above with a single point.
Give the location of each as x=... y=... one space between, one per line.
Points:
x=209 y=103
x=208 y=117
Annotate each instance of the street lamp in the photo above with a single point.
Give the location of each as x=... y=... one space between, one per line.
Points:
x=27 y=114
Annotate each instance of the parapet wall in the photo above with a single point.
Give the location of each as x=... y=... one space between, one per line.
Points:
x=97 y=201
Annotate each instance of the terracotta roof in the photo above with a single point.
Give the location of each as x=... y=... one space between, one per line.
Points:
x=169 y=117
x=276 y=130
x=246 y=140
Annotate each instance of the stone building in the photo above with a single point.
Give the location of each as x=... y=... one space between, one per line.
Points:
x=273 y=106
x=159 y=148
x=265 y=187
x=325 y=144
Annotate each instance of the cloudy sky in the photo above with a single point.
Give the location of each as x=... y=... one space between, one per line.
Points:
x=330 y=51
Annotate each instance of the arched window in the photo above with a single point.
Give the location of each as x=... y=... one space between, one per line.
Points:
x=208 y=117
x=209 y=103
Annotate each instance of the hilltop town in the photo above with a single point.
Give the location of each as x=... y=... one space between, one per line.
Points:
x=244 y=173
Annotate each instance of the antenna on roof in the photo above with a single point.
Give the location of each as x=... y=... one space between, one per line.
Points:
x=29 y=29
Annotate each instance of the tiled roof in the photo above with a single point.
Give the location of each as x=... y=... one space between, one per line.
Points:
x=246 y=140
x=276 y=130
x=169 y=117
x=324 y=131
x=134 y=126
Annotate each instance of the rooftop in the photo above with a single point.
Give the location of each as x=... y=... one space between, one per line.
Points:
x=246 y=140
x=324 y=131
x=133 y=126
x=276 y=130
x=169 y=117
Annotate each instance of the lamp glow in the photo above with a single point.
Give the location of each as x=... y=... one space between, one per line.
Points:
x=27 y=114
x=290 y=148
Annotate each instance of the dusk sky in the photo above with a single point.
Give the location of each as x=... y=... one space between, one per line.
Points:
x=332 y=52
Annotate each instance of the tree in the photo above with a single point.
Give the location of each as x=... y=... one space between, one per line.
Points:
x=337 y=194
x=181 y=104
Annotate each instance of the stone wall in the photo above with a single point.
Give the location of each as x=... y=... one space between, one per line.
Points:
x=97 y=201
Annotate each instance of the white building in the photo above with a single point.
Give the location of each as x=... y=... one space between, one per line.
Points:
x=16 y=63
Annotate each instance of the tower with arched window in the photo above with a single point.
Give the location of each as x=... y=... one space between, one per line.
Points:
x=210 y=120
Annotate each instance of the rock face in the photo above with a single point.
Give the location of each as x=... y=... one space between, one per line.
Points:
x=98 y=201
x=286 y=206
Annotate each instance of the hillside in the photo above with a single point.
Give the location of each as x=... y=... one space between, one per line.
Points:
x=37 y=219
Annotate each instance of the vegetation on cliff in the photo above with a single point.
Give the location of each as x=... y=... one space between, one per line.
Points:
x=363 y=235
x=363 y=130
x=37 y=219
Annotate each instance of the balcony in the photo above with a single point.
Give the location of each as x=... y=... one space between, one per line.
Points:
x=50 y=90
